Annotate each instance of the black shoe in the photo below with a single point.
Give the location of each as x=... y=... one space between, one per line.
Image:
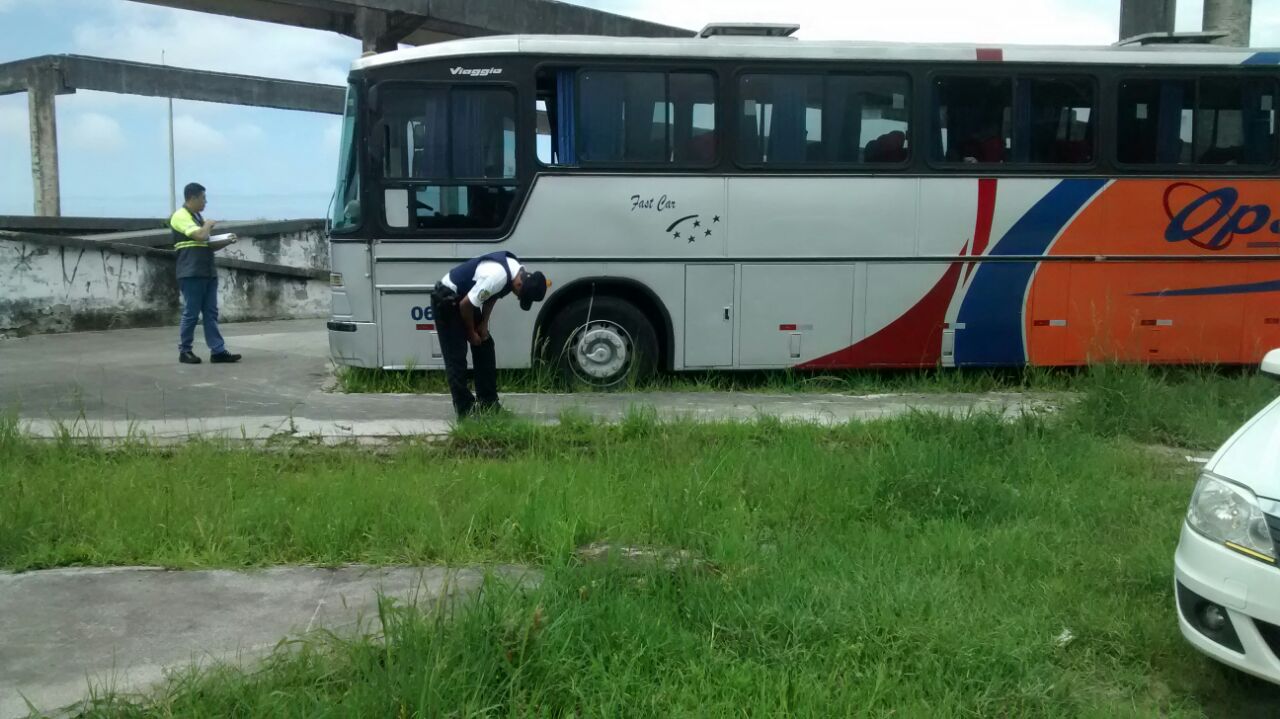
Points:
x=224 y=357
x=189 y=358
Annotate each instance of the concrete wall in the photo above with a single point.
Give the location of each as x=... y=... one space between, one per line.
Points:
x=69 y=284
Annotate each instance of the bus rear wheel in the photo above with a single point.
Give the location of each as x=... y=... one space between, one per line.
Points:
x=604 y=343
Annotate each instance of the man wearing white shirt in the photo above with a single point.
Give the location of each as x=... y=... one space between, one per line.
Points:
x=462 y=305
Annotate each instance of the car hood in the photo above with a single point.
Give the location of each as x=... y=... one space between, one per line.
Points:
x=1252 y=455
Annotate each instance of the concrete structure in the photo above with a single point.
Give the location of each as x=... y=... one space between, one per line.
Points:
x=64 y=632
x=381 y=25
x=59 y=283
x=1141 y=17
x=44 y=78
x=1231 y=17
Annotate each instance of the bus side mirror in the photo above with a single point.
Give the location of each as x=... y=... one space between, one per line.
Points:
x=1271 y=363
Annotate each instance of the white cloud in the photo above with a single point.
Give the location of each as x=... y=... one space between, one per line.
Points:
x=332 y=135
x=212 y=42
x=193 y=136
x=13 y=123
x=247 y=133
x=94 y=132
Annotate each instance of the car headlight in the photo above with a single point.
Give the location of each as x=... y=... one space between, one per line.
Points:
x=1227 y=512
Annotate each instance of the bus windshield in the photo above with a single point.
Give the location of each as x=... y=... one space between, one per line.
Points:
x=345 y=212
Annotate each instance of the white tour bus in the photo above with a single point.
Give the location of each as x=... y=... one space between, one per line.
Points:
x=732 y=201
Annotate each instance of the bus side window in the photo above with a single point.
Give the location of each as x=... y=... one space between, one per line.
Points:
x=555 y=136
x=543 y=134
x=1058 y=126
x=1235 y=121
x=1154 y=124
x=785 y=113
x=692 y=104
x=973 y=119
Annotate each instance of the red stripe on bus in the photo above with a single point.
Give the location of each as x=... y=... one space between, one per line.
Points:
x=990 y=54
x=786 y=328
x=982 y=225
x=426 y=327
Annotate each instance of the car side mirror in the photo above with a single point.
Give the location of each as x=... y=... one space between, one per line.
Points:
x=1271 y=363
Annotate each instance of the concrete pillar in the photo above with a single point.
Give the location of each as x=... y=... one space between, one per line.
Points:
x=42 y=88
x=372 y=28
x=1231 y=17
x=1139 y=17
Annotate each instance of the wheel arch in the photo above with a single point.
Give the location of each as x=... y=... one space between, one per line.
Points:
x=626 y=289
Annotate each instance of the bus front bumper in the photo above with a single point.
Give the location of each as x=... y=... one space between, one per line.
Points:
x=353 y=344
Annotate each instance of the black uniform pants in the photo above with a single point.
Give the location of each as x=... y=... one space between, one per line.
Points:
x=452 y=334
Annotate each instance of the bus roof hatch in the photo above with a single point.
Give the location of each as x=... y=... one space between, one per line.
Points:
x=751 y=29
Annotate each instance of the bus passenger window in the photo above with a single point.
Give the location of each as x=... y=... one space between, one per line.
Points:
x=781 y=120
x=645 y=117
x=869 y=119
x=1058 y=126
x=622 y=116
x=1153 y=125
x=692 y=108
x=1235 y=121
x=973 y=117
x=543 y=142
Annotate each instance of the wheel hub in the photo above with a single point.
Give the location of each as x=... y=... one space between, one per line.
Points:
x=602 y=351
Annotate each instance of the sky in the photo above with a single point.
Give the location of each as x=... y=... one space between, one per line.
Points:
x=261 y=163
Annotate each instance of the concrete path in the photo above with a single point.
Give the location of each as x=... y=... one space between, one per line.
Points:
x=63 y=631
x=123 y=382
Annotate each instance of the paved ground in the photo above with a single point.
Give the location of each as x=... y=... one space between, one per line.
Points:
x=128 y=381
x=121 y=629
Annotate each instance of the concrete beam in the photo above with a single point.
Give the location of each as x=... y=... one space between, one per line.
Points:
x=1231 y=17
x=77 y=72
x=123 y=248
x=79 y=225
x=418 y=22
x=1141 y=17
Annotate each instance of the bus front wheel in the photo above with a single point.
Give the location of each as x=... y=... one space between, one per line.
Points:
x=603 y=343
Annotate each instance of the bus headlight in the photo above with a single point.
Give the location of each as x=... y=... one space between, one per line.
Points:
x=1227 y=512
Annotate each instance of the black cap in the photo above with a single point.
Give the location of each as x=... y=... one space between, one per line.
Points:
x=534 y=289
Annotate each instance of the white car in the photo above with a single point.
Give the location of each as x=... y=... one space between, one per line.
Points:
x=1226 y=572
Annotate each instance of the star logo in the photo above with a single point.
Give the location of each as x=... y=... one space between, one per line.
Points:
x=695 y=223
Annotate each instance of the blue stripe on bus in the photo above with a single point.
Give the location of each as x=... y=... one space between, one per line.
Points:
x=992 y=308
x=1263 y=58
x=1244 y=289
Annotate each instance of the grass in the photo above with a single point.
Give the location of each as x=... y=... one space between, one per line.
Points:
x=921 y=566
x=1192 y=407
x=361 y=380
x=915 y=567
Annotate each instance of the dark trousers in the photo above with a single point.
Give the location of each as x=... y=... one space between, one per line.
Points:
x=452 y=334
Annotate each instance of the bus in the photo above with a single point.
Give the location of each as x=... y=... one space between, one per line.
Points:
x=733 y=201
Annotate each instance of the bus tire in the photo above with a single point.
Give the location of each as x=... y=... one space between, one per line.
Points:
x=602 y=343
